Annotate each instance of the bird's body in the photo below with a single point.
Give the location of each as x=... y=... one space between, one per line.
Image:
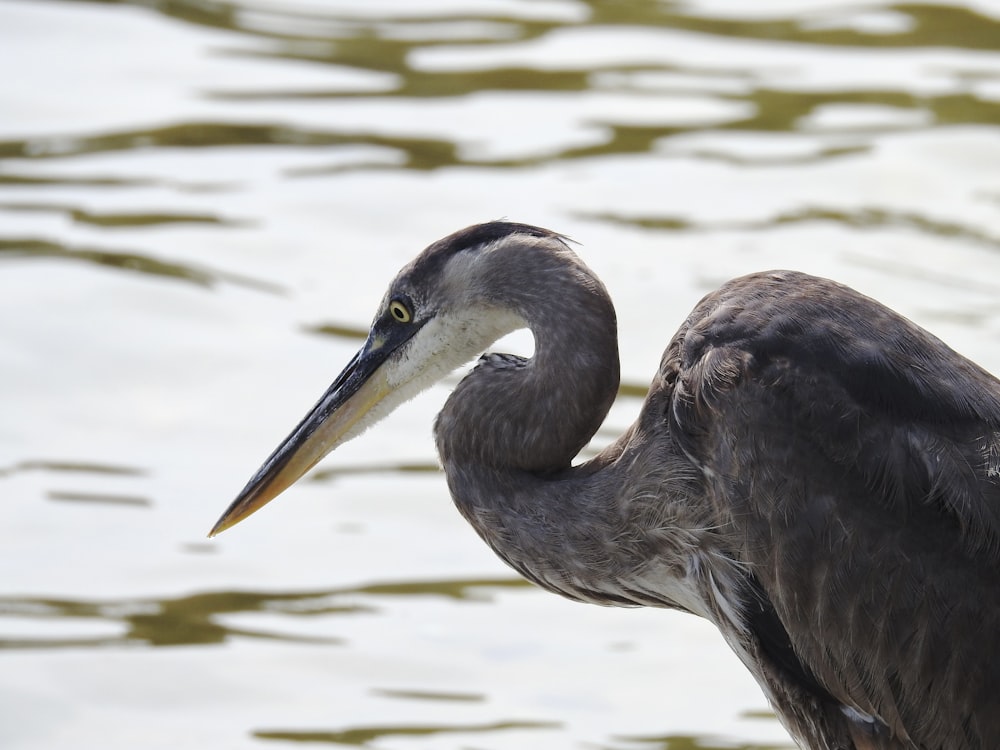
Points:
x=810 y=471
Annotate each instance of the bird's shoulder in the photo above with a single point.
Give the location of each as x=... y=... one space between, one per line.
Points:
x=870 y=391
x=785 y=321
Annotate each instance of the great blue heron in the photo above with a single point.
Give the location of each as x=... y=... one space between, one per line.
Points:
x=810 y=471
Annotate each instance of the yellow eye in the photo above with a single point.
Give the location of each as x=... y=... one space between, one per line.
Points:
x=400 y=311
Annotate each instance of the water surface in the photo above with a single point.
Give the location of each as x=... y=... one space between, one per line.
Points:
x=200 y=205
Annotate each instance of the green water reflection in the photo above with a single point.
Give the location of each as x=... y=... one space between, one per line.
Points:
x=365 y=736
x=28 y=248
x=426 y=695
x=9 y=179
x=419 y=153
x=381 y=46
x=114 y=220
x=193 y=619
x=99 y=498
x=72 y=467
x=922 y=25
x=362 y=736
x=684 y=742
x=773 y=111
x=864 y=218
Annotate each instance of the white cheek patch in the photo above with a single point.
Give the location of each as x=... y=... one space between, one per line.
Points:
x=446 y=343
x=443 y=344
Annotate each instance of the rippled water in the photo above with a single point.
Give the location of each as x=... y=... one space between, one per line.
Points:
x=200 y=205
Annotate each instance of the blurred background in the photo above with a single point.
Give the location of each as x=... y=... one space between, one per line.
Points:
x=201 y=203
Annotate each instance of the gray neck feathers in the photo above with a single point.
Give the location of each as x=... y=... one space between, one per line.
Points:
x=508 y=433
x=535 y=415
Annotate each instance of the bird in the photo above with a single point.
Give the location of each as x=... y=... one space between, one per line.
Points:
x=810 y=471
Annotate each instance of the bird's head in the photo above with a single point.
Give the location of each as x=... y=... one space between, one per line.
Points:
x=441 y=310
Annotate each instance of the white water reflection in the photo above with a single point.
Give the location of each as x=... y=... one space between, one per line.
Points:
x=193 y=193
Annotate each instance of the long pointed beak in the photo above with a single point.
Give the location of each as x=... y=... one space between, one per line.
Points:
x=356 y=390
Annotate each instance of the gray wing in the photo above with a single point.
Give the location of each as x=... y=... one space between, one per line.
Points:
x=855 y=460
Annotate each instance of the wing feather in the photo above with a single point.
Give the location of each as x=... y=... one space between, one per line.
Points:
x=855 y=457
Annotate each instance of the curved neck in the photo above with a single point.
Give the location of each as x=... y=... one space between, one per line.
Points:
x=510 y=430
x=535 y=415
